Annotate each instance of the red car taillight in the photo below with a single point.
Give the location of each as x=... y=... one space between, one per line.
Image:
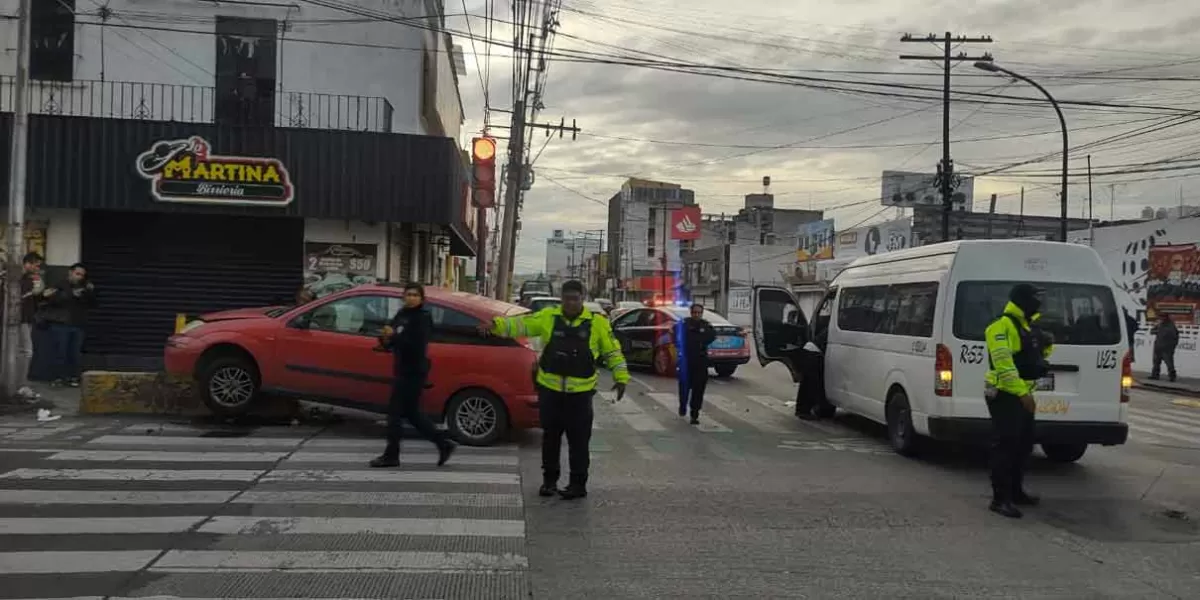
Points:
x=1126 y=377
x=943 y=371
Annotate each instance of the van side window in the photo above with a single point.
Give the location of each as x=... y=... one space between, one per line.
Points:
x=904 y=309
x=860 y=309
x=918 y=302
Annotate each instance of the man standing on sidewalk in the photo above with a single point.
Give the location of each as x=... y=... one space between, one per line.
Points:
x=66 y=311
x=575 y=341
x=32 y=290
x=1166 y=339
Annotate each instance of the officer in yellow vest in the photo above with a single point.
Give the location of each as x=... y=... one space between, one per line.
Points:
x=575 y=341
x=1017 y=353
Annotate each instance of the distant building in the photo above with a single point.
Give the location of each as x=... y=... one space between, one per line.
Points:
x=927 y=226
x=638 y=220
x=1173 y=212
x=757 y=223
x=567 y=257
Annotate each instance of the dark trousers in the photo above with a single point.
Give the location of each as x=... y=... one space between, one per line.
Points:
x=697 y=382
x=570 y=414
x=405 y=405
x=66 y=351
x=1163 y=355
x=811 y=390
x=1012 y=443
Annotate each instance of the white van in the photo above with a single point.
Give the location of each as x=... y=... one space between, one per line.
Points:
x=903 y=339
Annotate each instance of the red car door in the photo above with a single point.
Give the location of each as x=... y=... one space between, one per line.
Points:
x=332 y=352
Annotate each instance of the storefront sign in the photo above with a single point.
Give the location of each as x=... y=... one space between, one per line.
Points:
x=330 y=268
x=186 y=171
x=815 y=241
x=685 y=223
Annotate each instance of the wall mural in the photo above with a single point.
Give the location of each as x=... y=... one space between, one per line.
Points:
x=1154 y=266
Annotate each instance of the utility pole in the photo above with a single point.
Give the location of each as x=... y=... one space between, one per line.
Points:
x=16 y=207
x=1112 y=202
x=946 y=167
x=1090 y=205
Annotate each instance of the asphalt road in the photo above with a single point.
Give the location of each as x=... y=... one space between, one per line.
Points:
x=751 y=504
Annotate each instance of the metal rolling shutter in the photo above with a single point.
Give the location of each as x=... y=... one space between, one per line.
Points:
x=148 y=267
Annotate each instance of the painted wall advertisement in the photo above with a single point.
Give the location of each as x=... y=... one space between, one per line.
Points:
x=1155 y=267
x=331 y=267
x=866 y=241
x=815 y=241
x=35 y=240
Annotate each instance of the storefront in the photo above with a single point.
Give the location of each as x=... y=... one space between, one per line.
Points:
x=190 y=218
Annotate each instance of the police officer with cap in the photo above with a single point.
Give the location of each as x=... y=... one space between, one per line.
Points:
x=1017 y=353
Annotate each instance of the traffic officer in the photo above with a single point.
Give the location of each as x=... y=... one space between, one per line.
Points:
x=1017 y=353
x=575 y=340
x=693 y=336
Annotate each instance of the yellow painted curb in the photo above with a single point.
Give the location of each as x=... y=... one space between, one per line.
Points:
x=152 y=393
x=1187 y=403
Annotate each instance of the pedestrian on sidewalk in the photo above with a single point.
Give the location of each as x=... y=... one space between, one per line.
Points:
x=1017 y=357
x=575 y=340
x=1131 y=329
x=32 y=288
x=1166 y=339
x=693 y=336
x=65 y=312
x=408 y=338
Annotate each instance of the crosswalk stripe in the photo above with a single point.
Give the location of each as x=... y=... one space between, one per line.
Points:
x=724 y=404
x=780 y=407
x=1155 y=433
x=389 y=476
x=405 y=458
x=1168 y=415
x=152 y=456
x=214 y=442
x=671 y=403
x=17 y=563
x=359 y=526
x=206 y=561
x=631 y=413
x=379 y=498
x=133 y=474
x=94 y=525
x=98 y=497
x=1159 y=426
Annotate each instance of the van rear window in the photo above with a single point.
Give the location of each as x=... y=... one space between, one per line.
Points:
x=1076 y=314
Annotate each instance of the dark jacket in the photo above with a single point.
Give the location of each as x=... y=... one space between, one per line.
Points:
x=698 y=335
x=1166 y=337
x=29 y=302
x=70 y=304
x=410 y=343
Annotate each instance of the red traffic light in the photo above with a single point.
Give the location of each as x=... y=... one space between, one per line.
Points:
x=483 y=158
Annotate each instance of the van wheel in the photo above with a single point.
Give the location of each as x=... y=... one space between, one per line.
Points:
x=229 y=385
x=901 y=433
x=1064 y=453
x=476 y=417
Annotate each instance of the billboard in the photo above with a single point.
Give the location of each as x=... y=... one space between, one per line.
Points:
x=815 y=241
x=906 y=189
x=873 y=239
x=1173 y=283
x=685 y=223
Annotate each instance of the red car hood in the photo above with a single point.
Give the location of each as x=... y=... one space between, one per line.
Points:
x=241 y=313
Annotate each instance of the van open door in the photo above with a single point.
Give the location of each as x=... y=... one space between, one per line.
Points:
x=780 y=327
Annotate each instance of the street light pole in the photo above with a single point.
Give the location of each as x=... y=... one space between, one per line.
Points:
x=992 y=67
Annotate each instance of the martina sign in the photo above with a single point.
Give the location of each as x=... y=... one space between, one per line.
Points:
x=187 y=171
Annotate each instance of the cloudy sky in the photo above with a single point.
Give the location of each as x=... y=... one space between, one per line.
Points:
x=843 y=107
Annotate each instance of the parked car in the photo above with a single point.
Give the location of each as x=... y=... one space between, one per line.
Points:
x=647 y=339
x=540 y=302
x=596 y=307
x=327 y=351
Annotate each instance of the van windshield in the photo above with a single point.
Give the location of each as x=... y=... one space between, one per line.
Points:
x=1076 y=314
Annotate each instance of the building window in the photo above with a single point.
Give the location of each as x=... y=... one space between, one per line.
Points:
x=245 y=77
x=52 y=40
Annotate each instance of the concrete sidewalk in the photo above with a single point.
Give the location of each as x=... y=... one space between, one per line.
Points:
x=1189 y=386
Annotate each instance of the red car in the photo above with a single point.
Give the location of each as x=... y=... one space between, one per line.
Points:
x=327 y=351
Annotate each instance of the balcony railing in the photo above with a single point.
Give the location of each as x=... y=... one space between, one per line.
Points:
x=196 y=104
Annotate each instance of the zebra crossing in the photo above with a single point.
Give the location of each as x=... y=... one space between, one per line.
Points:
x=1164 y=426
x=271 y=514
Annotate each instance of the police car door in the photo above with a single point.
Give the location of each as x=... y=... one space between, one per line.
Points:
x=780 y=328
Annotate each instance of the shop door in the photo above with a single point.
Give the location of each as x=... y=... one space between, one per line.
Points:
x=148 y=267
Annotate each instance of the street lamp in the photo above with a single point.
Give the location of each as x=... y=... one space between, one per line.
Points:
x=993 y=68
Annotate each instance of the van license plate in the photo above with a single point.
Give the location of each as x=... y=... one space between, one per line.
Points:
x=1046 y=384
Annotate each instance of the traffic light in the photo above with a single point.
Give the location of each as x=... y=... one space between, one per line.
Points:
x=483 y=160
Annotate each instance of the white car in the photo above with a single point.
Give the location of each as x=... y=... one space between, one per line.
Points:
x=902 y=335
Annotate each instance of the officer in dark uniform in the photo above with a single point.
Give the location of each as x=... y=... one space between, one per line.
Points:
x=693 y=337
x=1017 y=353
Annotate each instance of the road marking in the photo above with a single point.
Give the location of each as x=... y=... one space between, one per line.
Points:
x=1159 y=434
x=790 y=411
x=377 y=498
x=671 y=403
x=97 y=525
x=862 y=446
x=732 y=408
x=131 y=475
x=359 y=526
x=1162 y=425
x=383 y=476
x=325 y=444
x=93 y=497
x=631 y=413
x=205 y=561
x=13 y=563
x=406 y=458
x=1182 y=416
x=160 y=456
x=206 y=442
x=1186 y=402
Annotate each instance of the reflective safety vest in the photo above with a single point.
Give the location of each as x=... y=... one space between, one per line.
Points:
x=560 y=367
x=1010 y=340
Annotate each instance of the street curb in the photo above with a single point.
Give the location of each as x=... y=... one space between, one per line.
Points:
x=1167 y=387
x=152 y=393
